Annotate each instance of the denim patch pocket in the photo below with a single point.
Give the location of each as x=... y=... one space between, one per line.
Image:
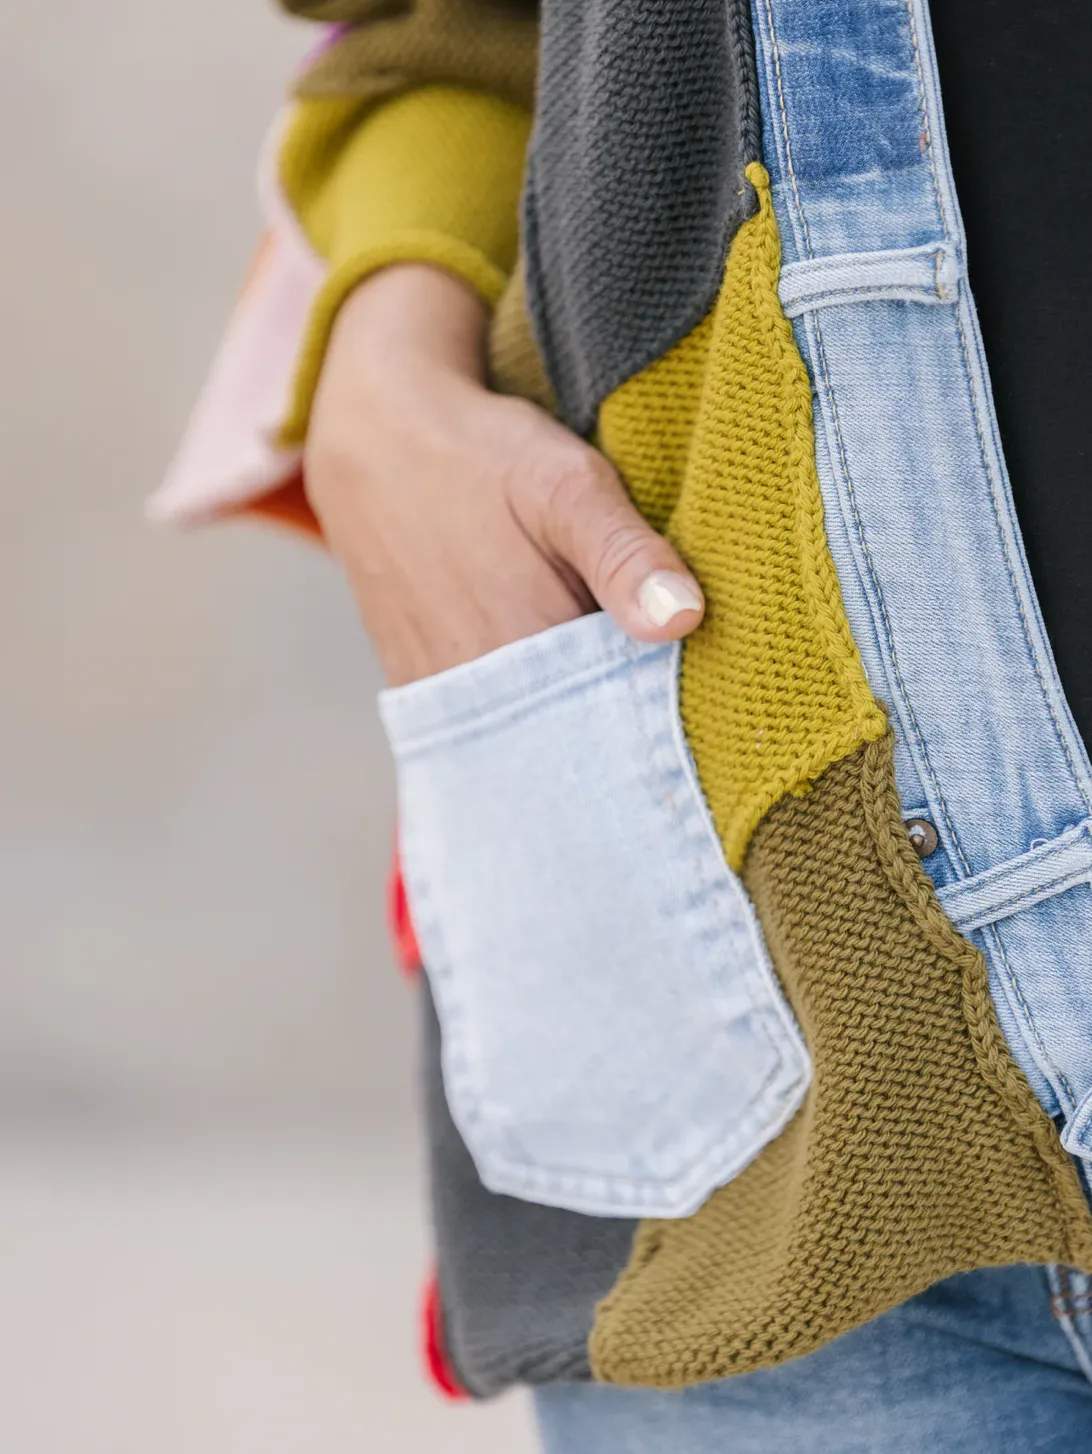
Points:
x=614 y=1038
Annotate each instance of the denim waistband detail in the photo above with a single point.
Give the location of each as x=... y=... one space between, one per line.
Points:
x=1045 y=870
x=929 y=274
x=919 y=512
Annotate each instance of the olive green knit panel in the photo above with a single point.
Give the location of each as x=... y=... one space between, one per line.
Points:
x=716 y=439
x=487 y=44
x=920 y=1151
x=352 y=11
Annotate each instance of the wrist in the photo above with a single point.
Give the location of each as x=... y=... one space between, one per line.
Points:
x=414 y=311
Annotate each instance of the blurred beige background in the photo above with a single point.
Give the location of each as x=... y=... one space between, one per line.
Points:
x=210 y=1224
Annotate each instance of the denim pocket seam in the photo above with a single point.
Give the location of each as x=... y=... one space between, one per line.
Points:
x=490 y=696
x=695 y=828
x=479 y=721
x=630 y=1192
x=759 y=971
x=716 y=913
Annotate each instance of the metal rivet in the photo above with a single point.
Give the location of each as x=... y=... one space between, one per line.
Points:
x=922 y=835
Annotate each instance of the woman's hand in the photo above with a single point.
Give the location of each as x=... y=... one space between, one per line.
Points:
x=466 y=519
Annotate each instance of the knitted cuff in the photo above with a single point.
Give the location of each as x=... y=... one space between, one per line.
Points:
x=456 y=257
x=432 y=176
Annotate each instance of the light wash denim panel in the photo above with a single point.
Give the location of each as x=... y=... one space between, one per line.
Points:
x=990 y=1362
x=614 y=1038
x=920 y=516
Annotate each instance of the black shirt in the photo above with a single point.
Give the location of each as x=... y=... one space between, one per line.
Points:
x=1018 y=109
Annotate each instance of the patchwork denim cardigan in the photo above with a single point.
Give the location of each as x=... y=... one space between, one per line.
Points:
x=638 y=298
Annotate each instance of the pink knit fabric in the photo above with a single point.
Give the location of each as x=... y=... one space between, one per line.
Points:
x=229 y=455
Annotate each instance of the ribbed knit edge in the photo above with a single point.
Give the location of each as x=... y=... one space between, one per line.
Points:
x=449 y=253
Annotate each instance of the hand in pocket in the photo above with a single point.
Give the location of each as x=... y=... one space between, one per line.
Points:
x=464 y=519
x=614 y=1037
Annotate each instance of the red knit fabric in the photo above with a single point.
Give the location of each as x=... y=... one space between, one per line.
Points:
x=399 y=922
x=286 y=505
x=436 y=1360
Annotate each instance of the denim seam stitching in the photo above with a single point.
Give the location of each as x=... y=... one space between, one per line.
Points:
x=837 y=421
x=909 y=256
x=927 y=130
x=881 y=603
x=1030 y=1024
x=458 y=726
x=920 y=290
x=1071 y=836
x=1061 y=1306
x=776 y=52
x=531 y=1175
x=936 y=290
x=993 y=931
x=984 y=452
x=1033 y=656
x=1072 y=878
x=927 y=138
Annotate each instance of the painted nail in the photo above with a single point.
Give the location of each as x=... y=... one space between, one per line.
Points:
x=664 y=594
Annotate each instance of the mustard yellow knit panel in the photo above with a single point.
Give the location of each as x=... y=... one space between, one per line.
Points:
x=715 y=442
x=647 y=425
x=441 y=159
x=432 y=176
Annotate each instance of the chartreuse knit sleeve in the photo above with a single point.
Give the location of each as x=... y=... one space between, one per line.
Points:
x=432 y=175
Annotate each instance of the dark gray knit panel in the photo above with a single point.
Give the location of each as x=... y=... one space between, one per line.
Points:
x=647 y=115
x=518 y=1282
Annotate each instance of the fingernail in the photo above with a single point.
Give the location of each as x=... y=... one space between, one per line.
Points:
x=664 y=594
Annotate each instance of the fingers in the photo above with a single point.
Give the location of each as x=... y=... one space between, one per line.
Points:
x=587 y=520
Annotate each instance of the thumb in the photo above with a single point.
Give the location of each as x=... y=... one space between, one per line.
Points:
x=590 y=522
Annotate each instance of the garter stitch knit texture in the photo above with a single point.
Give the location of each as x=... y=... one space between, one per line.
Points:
x=646 y=114
x=773 y=690
x=393 y=47
x=920 y=1151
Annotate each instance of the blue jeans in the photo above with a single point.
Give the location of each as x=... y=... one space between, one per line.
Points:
x=992 y=1362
